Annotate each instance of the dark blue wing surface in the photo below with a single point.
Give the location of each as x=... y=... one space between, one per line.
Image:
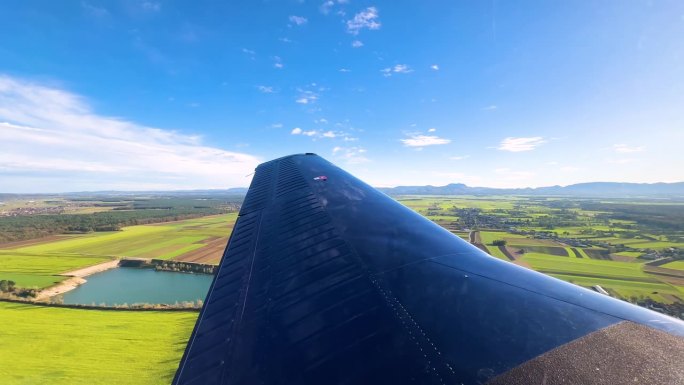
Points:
x=327 y=281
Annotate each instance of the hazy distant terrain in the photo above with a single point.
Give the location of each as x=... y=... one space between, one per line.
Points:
x=596 y=189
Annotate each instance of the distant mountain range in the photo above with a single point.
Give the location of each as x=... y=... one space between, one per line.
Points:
x=594 y=189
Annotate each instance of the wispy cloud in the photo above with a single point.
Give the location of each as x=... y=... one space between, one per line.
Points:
x=52 y=138
x=298 y=20
x=357 y=44
x=151 y=6
x=250 y=53
x=266 y=89
x=323 y=134
x=459 y=157
x=397 y=69
x=350 y=155
x=521 y=144
x=94 y=10
x=306 y=96
x=434 y=67
x=328 y=6
x=490 y=108
x=432 y=130
x=278 y=62
x=421 y=140
x=366 y=19
x=625 y=149
x=345 y=70
x=299 y=131
x=277 y=125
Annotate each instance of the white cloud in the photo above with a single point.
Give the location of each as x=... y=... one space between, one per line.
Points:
x=285 y=40
x=521 y=144
x=52 y=138
x=420 y=140
x=94 y=10
x=299 y=131
x=151 y=6
x=350 y=155
x=298 y=20
x=625 y=149
x=366 y=19
x=277 y=62
x=328 y=134
x=357 y=44
x=397 y=69
x=344 y=70
x=490 y=108
x=460 y=157
x=266 y=89
x=277 y=125
x=434 y=67
x=432 y=130
x=306 y=96
x=326 y=6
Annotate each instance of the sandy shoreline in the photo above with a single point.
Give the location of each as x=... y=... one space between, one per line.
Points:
x=76 y=279
x=90 y=270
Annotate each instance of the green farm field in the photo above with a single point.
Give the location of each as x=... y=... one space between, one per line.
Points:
x=588 y=242
x=551 y=264
x=38 y=264
x=59 y=346
x=39 y=270
x=660 y=292
x=677 y=265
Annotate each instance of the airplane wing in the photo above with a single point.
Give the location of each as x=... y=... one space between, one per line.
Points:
x=326 y=280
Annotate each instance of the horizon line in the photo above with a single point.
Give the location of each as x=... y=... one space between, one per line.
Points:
x=377 y=187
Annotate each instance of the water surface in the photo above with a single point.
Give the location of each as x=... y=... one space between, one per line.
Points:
x=133 y=285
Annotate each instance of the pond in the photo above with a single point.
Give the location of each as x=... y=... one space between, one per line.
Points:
x=134 y=285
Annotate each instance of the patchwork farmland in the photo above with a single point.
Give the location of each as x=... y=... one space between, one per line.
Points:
x=632 y=249
x=634 y=257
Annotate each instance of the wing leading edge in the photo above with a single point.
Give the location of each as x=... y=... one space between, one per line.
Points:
x=327 y=280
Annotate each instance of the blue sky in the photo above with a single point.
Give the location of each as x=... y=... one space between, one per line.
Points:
x=142 y=94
